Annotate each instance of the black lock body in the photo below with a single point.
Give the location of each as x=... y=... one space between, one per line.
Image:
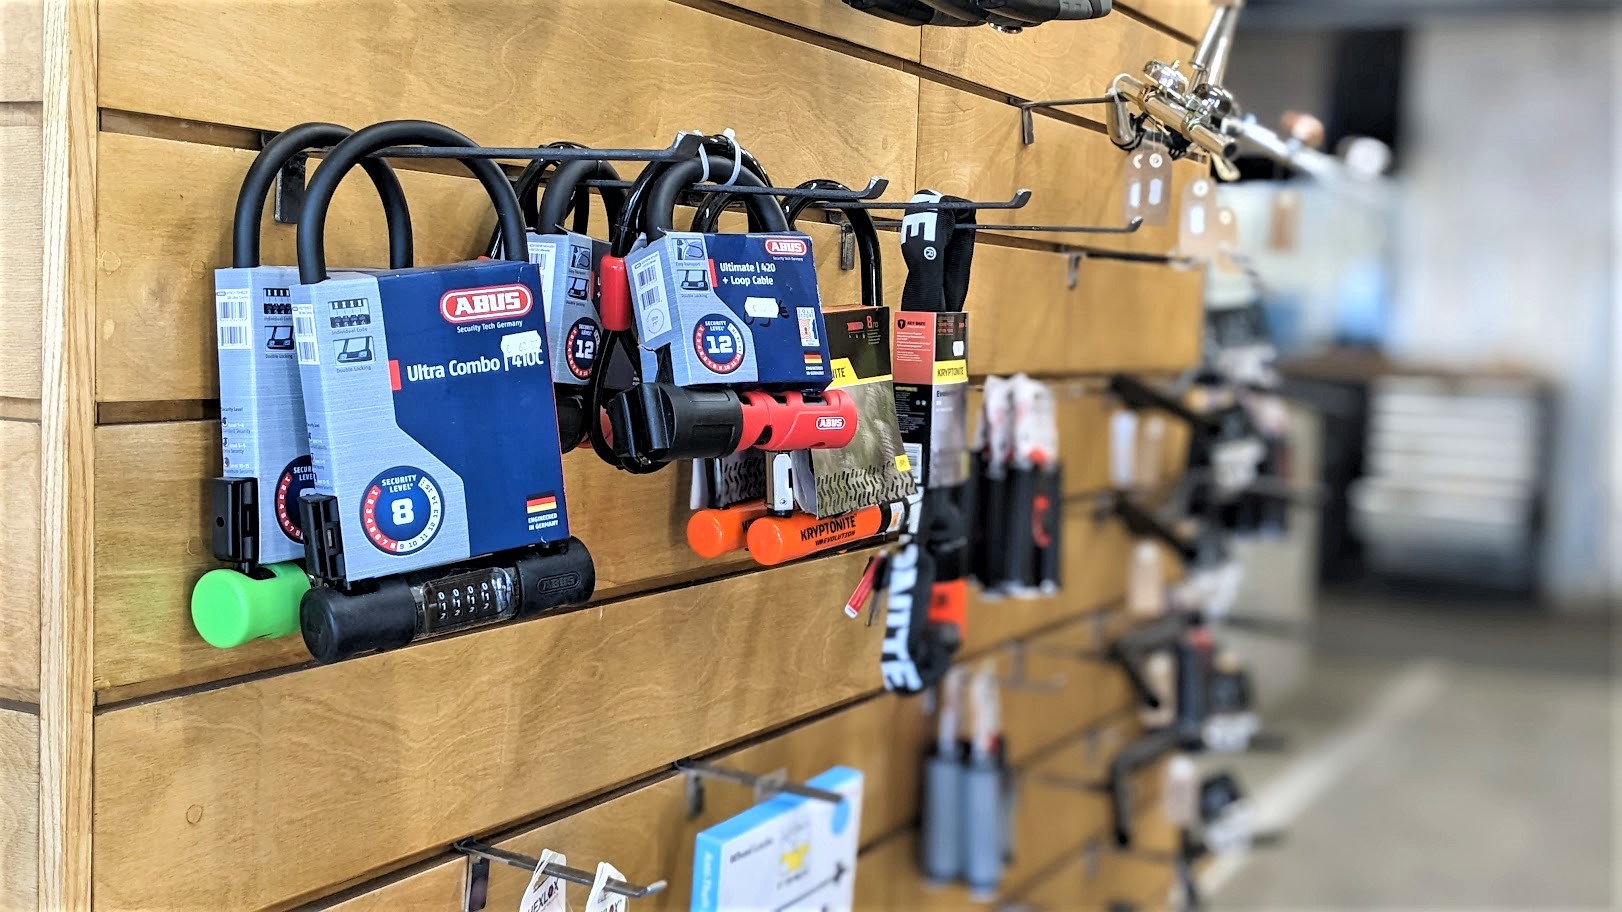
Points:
x=394 y=611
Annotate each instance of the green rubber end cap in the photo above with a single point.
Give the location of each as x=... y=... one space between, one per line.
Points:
x=229 y=608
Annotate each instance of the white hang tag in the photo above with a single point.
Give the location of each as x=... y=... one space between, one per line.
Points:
x=1146 y=587
x=1160 y=670
x=545 y=893
x=1151 y=450
x=1123 y=447
x=1180 y=791
x=1197 y=230
x=1036 y=426
x=1227 y=233
x=998 y=422
x=1146 y=191
x=599 y=899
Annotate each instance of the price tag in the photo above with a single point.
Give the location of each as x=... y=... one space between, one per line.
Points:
x=1146 y=191
x=1151 y=450
x=1197 y=231
x=545 y=893
x=1146 y=588
x=599 y=899
x=1123 y=446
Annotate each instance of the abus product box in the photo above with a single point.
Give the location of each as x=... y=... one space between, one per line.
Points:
x=932 y=394
x=428 y=395
x=730 y=310
x=262 y=428
x=568 y=265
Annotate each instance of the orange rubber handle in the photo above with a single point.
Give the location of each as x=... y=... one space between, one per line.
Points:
x=773 y=539
x=714 y=532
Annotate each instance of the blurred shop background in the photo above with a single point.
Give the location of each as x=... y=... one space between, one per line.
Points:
x=1449 y=339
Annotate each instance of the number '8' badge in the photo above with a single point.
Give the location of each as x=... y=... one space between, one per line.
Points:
x=719 y=344
x=402 y=510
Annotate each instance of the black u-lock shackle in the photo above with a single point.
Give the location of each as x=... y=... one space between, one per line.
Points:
x=861 y=227
x=566 y=191
x=277 y=152
x=357 y=149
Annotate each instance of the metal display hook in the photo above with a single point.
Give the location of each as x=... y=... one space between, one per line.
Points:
x=1027 y=123
x=1019 y=200
x=765 y=785
x=1018 y=679
x=873 y=190
x=479 y=856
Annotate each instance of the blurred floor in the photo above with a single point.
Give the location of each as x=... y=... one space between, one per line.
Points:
x=1442 y=755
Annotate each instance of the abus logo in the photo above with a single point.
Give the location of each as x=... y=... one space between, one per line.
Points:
x=496 y=302
x=830 y=423
x=786 y=247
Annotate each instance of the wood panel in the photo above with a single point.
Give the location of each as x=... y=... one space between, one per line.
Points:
x=970 y=145
x=1051 y=62
x=1186 y=17
x=838 y=21
x=162 y=238
x=19 y=811
x=21 y=49
x=1121 y=316
x=399 y=754
x=20 y=238
x=19 y=561
x=153 y=540
x=647 y=833
x=515 y=73
x=1087 y=691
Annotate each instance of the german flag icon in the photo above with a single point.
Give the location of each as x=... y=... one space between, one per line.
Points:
x=541 y=503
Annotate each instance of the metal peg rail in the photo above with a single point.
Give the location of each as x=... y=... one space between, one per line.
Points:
x=875 y=188
x=762 y=784
x=480 y=855
x=685 y=146
x=1027 y=123
x=1018 y=201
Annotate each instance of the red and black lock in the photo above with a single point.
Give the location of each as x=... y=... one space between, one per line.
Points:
x=761 y=501
x=660 y=415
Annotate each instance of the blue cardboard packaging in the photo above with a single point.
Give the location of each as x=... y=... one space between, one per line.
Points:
x=730 y=310
x=428 y=398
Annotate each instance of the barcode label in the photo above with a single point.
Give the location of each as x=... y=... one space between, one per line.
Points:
x=653 y=311
x=233 y=336
x=309 y=347
x=231 y=315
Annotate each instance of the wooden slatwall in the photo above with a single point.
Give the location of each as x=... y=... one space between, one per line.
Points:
x=141 y=769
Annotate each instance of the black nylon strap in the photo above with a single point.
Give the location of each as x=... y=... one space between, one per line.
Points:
x=937 y=253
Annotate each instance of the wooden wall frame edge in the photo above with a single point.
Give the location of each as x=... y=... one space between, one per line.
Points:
x=67 y=423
